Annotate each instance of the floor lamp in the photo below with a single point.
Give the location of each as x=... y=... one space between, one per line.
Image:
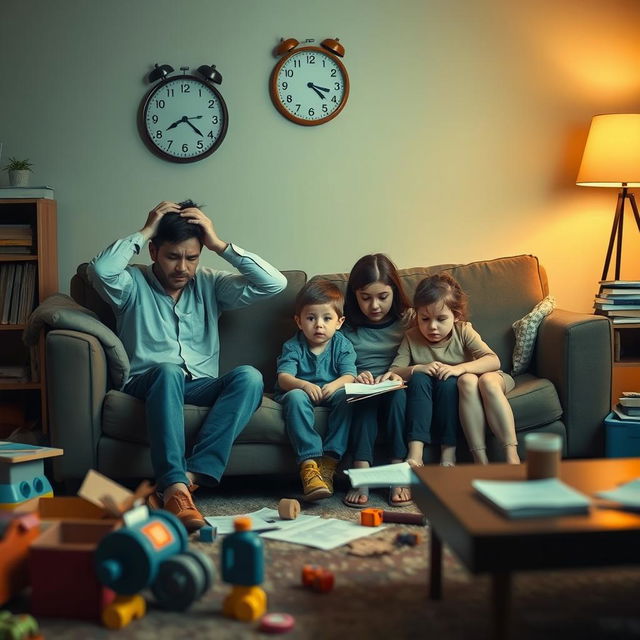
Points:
x=611 y=158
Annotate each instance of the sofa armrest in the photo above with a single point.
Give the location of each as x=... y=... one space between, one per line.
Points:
x=77 y=381
x=574 y=351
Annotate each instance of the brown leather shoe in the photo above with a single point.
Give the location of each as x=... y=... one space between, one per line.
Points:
x=181 y=505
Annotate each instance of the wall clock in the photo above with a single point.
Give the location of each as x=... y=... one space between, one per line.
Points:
x=309 y=85
x=183 y=118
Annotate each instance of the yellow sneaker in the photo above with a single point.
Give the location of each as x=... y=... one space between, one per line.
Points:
x=313 y=486
x=327 y=467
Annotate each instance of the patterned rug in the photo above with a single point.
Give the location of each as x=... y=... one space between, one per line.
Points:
x=380 y=596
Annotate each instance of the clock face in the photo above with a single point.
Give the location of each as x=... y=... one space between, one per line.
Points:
x=183 y=119
x=309 y=86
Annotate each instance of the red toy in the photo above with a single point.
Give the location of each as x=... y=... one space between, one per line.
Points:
x=17 y=532
x=317 y=578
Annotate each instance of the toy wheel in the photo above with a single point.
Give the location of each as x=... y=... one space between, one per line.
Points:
x=181 y=580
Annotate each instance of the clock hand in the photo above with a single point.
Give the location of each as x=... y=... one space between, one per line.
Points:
x=174 y=125
x=312 y=86
x=194 y=128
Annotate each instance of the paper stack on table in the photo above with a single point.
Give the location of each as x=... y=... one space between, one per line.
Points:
x=628 y=495
x=532 y=498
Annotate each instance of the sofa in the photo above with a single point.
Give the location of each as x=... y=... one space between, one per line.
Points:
x=565 y=390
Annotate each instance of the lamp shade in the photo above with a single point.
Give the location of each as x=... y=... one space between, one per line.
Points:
x=611 y=155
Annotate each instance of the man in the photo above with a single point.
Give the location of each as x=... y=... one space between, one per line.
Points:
x=167 y=316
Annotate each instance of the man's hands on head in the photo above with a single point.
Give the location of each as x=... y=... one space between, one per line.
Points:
x=210 y=239
x=193 y=215
x=155 y=215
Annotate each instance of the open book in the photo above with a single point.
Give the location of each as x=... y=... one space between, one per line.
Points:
x=358 y=391
x=532 y=498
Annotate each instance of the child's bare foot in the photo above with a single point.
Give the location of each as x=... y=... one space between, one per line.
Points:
x=399 y=496
x=357 y=497
x=413 y=463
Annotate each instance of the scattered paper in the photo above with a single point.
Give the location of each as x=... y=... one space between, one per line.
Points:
x=386 y=475
x=264 y=519
x=321 y=533
x=627 y=494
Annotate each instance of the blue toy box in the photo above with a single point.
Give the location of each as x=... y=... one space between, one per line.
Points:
x=622 y=437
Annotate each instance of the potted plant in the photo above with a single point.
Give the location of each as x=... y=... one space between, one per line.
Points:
x=19 y=171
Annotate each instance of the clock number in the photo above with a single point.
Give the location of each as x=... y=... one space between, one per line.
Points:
x=333 y=73
x=334 y=99
x=311 y=58
x=325 y=109
x=210 y=135
x=169 y=145
x=288 y=73
x=214 y=120
x=160 y=104
x=289 y=98
x=297 y=63
x=185 y=88
x=199 y=145
x=297 y=108
x=311 y=112
x=169 y=92
x=158 y=134
x=337 y=86
x=285 y=86
x=185 y=148
x=154 y=119
x=211 y=103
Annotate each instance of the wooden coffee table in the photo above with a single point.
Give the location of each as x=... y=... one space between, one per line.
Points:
x=487 y=542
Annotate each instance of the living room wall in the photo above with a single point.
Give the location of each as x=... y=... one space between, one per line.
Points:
x=460 y=141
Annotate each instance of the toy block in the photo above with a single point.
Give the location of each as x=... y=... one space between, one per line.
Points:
x=288 y=509
x=245 y=603
x=17 y=532
x=208 y=534
x=407 y=539
x=317 y=578
x=64 y=583
x=371 y=517
x=22 y=473
x=123 y=610
x=404 y=517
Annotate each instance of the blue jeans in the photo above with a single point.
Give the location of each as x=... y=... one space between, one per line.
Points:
x=387 y=412
x=233 y=398
x=299 y=419
x=432 y=410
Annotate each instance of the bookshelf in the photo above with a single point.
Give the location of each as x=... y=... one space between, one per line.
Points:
x=625 y=339
x=23 y=385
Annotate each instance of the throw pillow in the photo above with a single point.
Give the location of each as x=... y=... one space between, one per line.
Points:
x=526 y=330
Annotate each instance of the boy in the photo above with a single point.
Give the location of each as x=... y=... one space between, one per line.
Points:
x=312 y=370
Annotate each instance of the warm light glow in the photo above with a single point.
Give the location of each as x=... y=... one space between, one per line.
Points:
x=611 y=155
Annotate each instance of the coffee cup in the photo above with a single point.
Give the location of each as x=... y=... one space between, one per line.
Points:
x=544 y=451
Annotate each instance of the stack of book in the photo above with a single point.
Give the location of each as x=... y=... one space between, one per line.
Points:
x=628 y=407
x=17 y=291
x=619 y=300
x=16 y=238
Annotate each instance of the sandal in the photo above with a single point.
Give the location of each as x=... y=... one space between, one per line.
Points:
x=398 y=503
x=356 y=505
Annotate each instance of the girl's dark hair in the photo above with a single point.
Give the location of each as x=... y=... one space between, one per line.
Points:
x=319 y=291
x=441 y=288
x=172 y=228
x=375 y=267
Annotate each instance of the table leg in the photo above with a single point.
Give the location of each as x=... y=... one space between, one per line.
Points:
x=435 y=566
x=501 y=604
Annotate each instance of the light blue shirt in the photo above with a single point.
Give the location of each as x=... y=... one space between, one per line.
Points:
x=154 y=328
x=338 y=359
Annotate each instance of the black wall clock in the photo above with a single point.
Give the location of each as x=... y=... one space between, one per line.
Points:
x=183 y=118
x=309 y=85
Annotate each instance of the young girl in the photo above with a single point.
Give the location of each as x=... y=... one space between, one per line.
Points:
x=377 y=313
x=440 y=348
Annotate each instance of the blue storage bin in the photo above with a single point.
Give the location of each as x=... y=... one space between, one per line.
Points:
x=622 y=437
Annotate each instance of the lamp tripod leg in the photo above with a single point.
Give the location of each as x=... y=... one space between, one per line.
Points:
x=616 y=230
